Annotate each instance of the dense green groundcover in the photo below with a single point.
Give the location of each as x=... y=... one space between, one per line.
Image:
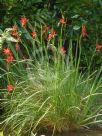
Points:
x=50 y=65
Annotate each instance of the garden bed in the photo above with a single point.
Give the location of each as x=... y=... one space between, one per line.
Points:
x=51 y=67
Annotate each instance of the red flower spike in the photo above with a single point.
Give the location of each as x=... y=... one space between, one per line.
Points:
x=9 y=59
x=7 y=51
x=62 y=50
x=15 y=34
x=49 y=36
x=84 y=31
x=52 y=35
x=98 y=47
x=23 y=21
x=46 y=29
x=33 y=34
x=10 y=88
x=17 y=47
x=62 y=20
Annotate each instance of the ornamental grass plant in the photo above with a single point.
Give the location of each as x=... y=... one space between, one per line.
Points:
x=46 y=90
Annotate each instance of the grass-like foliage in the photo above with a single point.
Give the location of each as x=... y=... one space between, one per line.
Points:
x=54 y=97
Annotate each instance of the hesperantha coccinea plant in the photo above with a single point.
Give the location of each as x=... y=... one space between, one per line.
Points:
x=45 y=88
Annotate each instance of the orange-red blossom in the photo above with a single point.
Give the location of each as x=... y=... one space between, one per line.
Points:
x=10 y=88
x=52 y=35
x=84 y=31
x=98 y=47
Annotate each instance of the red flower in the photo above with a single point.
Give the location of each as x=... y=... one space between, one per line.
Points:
x=15 y=33
x=46 y=28
x=62 y=50
x=17 y=47
x=9 y=59
x=62 y=20
x=98 y=47
x=23 y=21
x=10 y=88
x=33 y=34
x=52 y=35
x=49 y=36
x=84 y=31
x=7 y=51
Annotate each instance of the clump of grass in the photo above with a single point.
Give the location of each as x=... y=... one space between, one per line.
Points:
x=53 y=96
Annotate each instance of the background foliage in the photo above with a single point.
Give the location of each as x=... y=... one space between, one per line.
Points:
x=49 y=11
